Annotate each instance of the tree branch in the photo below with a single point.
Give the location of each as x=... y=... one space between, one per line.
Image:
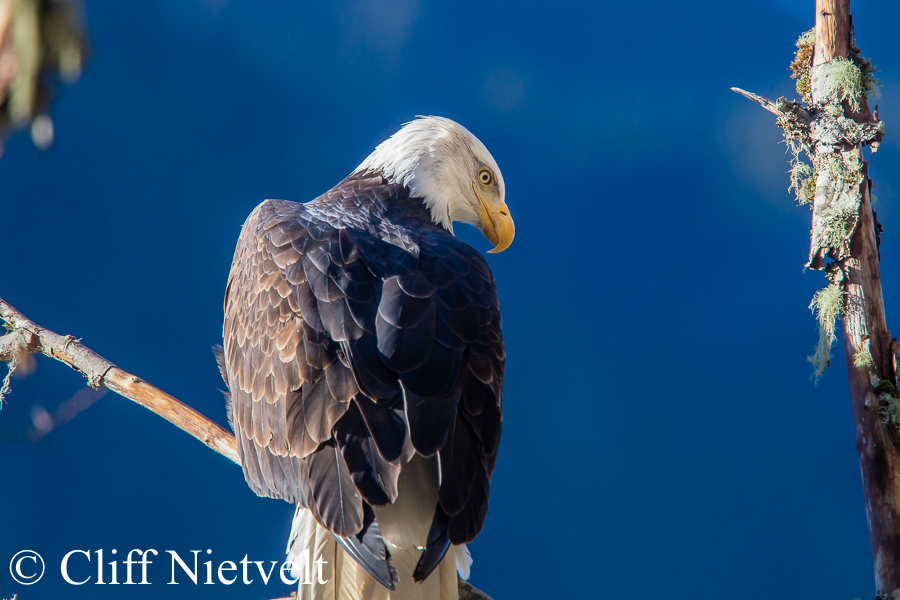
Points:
x=764 y=102
x=25 y=336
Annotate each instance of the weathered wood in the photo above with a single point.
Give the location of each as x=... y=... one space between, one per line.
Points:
x=833 y=130
x=764 y=102
x=832 y=30
x=865 y=328
x=26 y=336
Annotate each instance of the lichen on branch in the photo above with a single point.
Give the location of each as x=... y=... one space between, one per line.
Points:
x=826 y=306
x=803 y=58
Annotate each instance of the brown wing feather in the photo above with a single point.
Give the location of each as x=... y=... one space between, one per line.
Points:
x=263 y=374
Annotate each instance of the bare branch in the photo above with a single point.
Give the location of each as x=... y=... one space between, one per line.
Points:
x=764 y=102
x=28 y=337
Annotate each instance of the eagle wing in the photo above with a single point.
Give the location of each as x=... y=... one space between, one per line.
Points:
x=350 y=344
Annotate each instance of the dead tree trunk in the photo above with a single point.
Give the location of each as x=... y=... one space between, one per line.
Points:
x=864 y=325
x=831 y=129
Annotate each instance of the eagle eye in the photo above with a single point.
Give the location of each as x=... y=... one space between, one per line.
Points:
x=485 y=177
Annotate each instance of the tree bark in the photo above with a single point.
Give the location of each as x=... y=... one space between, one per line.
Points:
x=832 y=130
x=832 y=30
x=864 y=326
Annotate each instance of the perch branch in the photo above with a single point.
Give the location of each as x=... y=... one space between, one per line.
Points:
x=25 y=336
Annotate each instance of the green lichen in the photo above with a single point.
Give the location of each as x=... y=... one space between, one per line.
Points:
x=802 y=178
x=802 y=63
x=863 y=358
x=845 y=80
x=836 y=220
x=890 y=411
x=854 y=83
x=886 y=387
x=890 y=402
x=826 y=306
x=806 y=194
x=803 y=183
x=866 y=68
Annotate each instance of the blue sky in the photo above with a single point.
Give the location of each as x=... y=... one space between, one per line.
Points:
x=662 y=434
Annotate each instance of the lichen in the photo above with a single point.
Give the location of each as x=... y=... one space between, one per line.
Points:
x=4 y=387
x=889 y=396
x=835 y=218
x=802 y=63
x=866 y=68
x=830 y=180
x=826 y=306
x=863 y=358
x=806 y=194
x=803 y=184
x=797 y=142
x=890 y=411
x=845 y=81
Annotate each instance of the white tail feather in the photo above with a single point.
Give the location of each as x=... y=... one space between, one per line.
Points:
x=463 y=560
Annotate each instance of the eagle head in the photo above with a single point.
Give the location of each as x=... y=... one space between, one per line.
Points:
x=439 y=161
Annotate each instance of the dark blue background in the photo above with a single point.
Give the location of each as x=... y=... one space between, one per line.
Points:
x=662 y=436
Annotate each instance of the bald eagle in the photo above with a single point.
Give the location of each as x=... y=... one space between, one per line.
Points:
x=364 y=355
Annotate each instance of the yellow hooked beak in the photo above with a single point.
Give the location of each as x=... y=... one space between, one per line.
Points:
x=496 y=224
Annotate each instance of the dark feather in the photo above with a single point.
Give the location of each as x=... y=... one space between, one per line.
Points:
x=460 y=458
x=467 y=524
x=309 y=308
x=487 y=427
x=405 y=349
x=368 y=549
x=436 y=546
x=338 y=321
x=430 y=419
x=335 y=496
x=375 y=478
x=386 y=424
x=415 y=284
x=340 y=382
x=373 y=376
x=476 y=395
x=437 y=376
x=399 y=308
x=348 y=250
